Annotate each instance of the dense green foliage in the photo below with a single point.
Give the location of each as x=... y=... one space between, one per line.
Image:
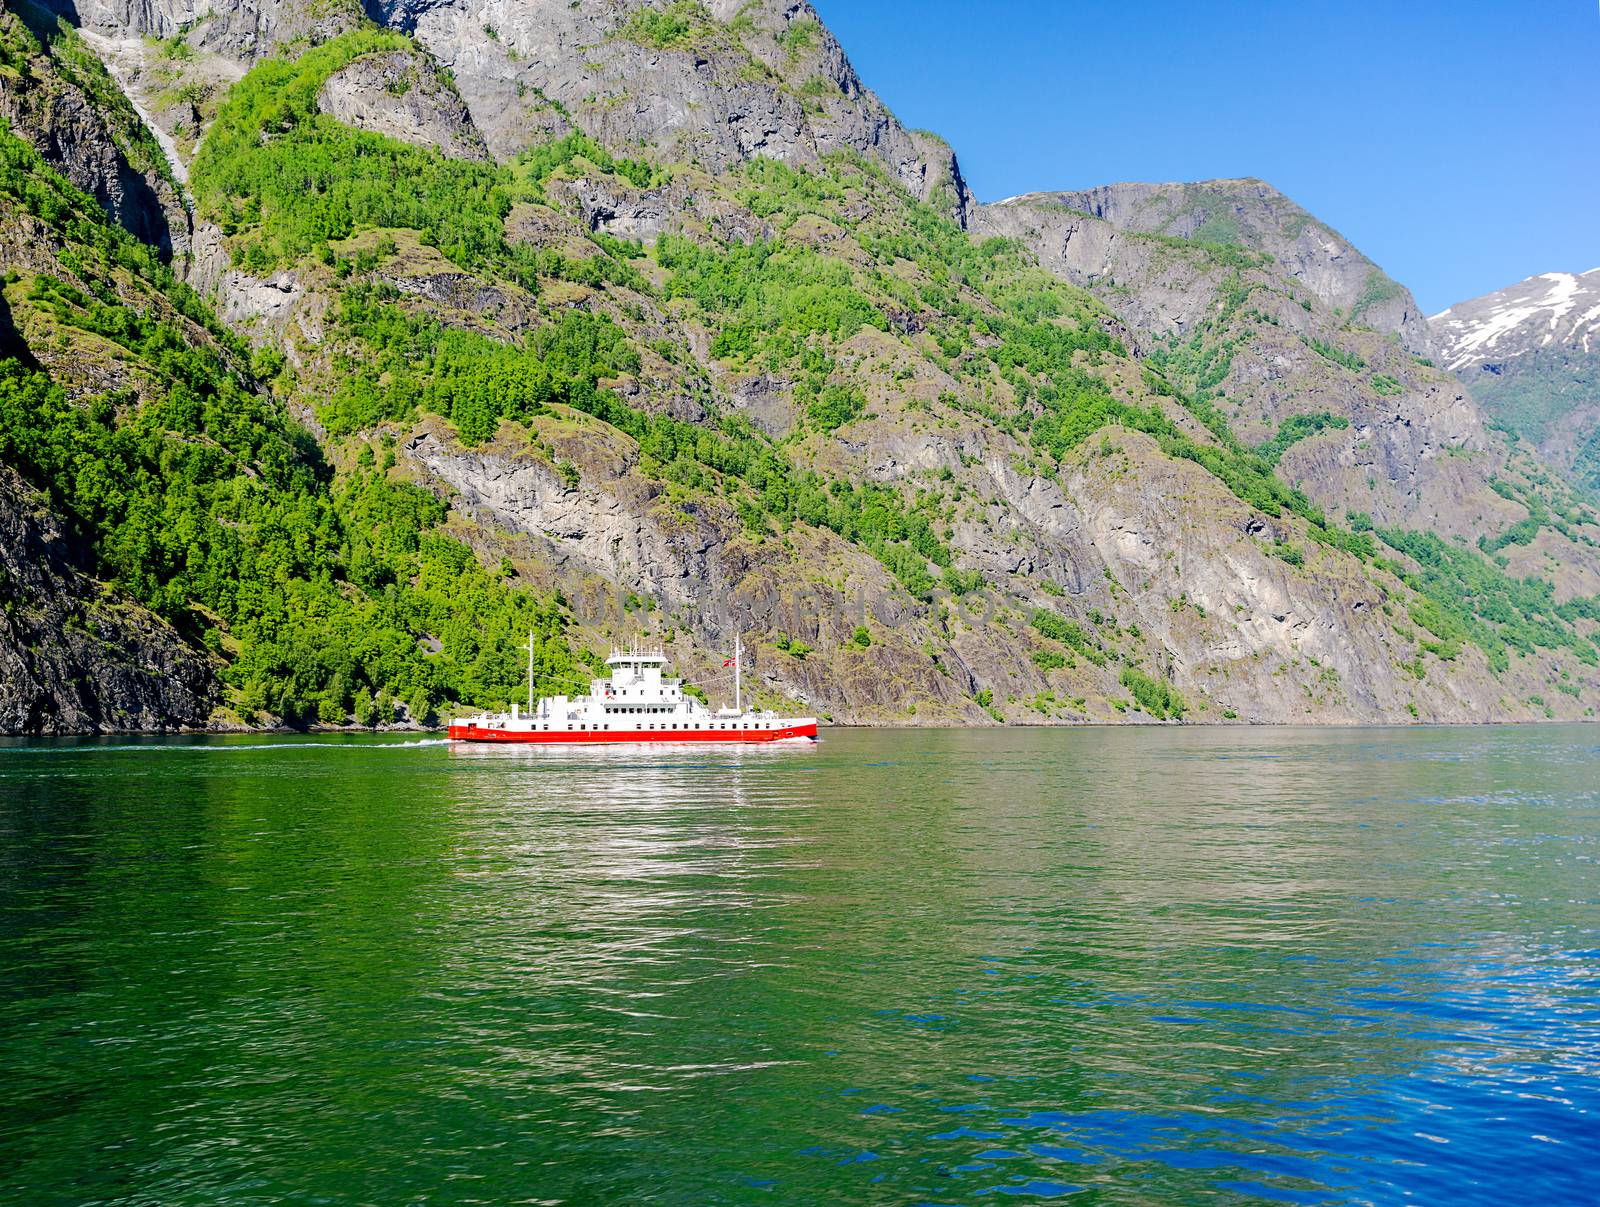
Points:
x=1297 y=428
x=1465 y=598
x=201 y=499
x=406 y=363
x=1336 y=354
x=286 y=180
x=238 y=536
x=537 y=165
x=770 y=297
x=671 y=28
x=1070 y=634
x=1156 y=696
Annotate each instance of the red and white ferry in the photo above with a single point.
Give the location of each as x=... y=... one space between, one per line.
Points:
x=634 y=705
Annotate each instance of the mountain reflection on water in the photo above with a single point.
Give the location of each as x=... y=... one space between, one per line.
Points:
x=1158 y=966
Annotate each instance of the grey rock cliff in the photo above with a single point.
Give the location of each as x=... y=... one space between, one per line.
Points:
x=1320 y=329
x=775 y=83
x=755 y=79
x=403 y=96
x=70 y=110
x=74 y=658
x=242 y=29
x=1254 y=215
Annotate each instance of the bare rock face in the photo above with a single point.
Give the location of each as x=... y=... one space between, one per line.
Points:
x=747 y=80
x=403 y=96
x=1252 y=214
x=611 y=530
x=762 y=79
x=603 y=526
x=1299 y=323
x=73 y=658
x=68 y=109
x=1163 y=295
x=243 y=29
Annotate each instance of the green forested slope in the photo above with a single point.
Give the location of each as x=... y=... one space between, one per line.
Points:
x=205 y=502
x=802 y=390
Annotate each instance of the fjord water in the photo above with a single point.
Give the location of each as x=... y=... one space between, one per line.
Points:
x=1140 y=967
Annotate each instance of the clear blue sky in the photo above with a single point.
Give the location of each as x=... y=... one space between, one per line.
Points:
x=1457 y=144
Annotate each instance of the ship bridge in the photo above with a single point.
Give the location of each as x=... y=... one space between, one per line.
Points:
x=636 y=675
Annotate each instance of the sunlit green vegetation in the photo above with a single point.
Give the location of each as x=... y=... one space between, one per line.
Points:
x=1465 y=598
x=312 y=180
x=206 y=506
x=769 y=297
x=201 y=499
x=1156 y=696
x=1297 y=428
x=285 y=180
x=536 y=166
x=1070 y=634
x=1334 y=353
x=671 y=28
x=406 y=364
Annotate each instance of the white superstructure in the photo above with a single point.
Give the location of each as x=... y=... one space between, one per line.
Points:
x=636 y=702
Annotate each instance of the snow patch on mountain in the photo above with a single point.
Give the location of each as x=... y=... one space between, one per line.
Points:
x=1554 y=309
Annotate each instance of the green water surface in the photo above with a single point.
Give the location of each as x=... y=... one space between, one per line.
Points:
x=1100 y=966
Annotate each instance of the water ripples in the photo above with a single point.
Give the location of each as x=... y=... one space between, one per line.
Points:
x=1101 y=966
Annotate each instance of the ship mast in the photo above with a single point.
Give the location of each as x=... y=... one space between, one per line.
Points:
x=530 y=674
x=738 y=670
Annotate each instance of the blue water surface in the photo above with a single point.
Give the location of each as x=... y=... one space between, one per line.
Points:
x=1100 y=966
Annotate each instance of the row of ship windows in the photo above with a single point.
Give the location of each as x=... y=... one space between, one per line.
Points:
x=718 y=725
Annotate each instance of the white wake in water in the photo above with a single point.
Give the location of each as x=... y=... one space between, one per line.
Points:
x=242 y=748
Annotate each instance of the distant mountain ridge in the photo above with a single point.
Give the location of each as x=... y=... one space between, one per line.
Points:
x=1530 y=353
x=1551 y=310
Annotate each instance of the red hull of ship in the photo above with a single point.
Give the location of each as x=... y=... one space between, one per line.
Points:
x=787 y=733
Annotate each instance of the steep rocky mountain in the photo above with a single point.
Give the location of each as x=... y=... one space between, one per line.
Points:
x=1269 y=318
x=1531 y=355
x=624 y=320
x=717 y=83
x=1245 y=214
x=74 y=656
x=53 y=86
